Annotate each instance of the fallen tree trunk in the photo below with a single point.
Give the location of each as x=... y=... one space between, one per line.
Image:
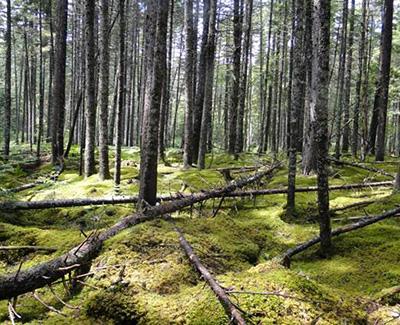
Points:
x=230 y=309
x=28 y=248
x=49 y=204
x=24 y=281
x=353 y=164
x=24 y=187
x=368 y=220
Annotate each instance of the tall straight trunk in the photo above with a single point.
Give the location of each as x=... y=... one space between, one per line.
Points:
x=297 y=101
x=321 y=95
x=309 y=149
x=361 y=53
x=243 y=81
x=58 y=87
x=7 y=81
x=208 y=91
x=156 y=74
x=90 y=89
x=189 y=65
x=237 y=50
x=121 y=93
x=382 y=89
x=200 y=84
x=51 y=71
x=341 y=77
x=41 y=84
x=266 y=112
x=347 y=87
x=104 y=170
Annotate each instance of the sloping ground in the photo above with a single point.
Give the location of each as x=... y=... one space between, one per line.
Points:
x=143 y=277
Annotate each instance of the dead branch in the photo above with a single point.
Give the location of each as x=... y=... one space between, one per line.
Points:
x=354 y=164
x=51 y=308
x=28 y=248
x=286 y=257
x=230 y=309
x=265 y=293
x=45 y=273
x=50 y=204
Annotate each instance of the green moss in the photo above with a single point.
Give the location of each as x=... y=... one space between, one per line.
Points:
x=143 y=276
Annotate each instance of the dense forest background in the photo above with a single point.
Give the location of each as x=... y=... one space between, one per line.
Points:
x=257 y=131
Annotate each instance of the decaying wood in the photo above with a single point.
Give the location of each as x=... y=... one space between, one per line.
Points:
x=28 y=248
x=230 y=309
x=369 y=220
x=24 y=281
x=354 y=164
x=49 y=204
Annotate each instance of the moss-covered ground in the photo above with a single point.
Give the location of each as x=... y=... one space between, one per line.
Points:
x=143 y=277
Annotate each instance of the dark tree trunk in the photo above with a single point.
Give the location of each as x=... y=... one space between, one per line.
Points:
x=297 y=101
x=201 y=75
x=41 y=84
x=321 y=95
x=382 y=89
x=237 y=50
x=157 y=73
x=341 y=77
x=104 y=171
x=189 y=78
x=243 y=81
x=90 y=101
x=7 y=81
x=58 y=87
x=209 y=81
x=121 y=94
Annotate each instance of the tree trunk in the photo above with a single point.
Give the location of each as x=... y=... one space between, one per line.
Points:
x=7 y=81
x=104 y=171
x=189 y=65
x=382 y=89
x=121 y=93
x=90 y=89
x=58 y=87
x=321 y=95
x=297 y=101
x=209 y=81
x=237 y=50
x=157 y=73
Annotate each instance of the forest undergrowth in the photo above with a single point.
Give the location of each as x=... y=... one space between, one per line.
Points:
x=142 y=276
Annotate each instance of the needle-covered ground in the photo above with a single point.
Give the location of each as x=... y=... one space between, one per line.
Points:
x=142 y=276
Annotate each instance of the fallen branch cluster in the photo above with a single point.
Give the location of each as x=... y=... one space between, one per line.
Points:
x=366 y=221
x=64 y=203
x=354 y=164
x=24 y=281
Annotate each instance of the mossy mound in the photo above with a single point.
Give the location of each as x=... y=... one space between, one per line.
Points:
x=143 y=277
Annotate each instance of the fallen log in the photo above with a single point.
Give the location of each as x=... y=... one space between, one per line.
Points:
x=231 y=311
x=24 y=281
x=368 y=220
x=65 y=203
x=24 y=187
x=353 y=164
x=342 y=219
x=28 y=248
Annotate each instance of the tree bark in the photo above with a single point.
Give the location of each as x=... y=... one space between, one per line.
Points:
x=189 y=66
x=382 y=89
x=104 y=170
x=58 y=86
x=231 y=311
x=321 y=93
x=157 y=73
x=7 y=82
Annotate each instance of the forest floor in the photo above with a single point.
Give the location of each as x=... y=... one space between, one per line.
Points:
x=142 y=276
